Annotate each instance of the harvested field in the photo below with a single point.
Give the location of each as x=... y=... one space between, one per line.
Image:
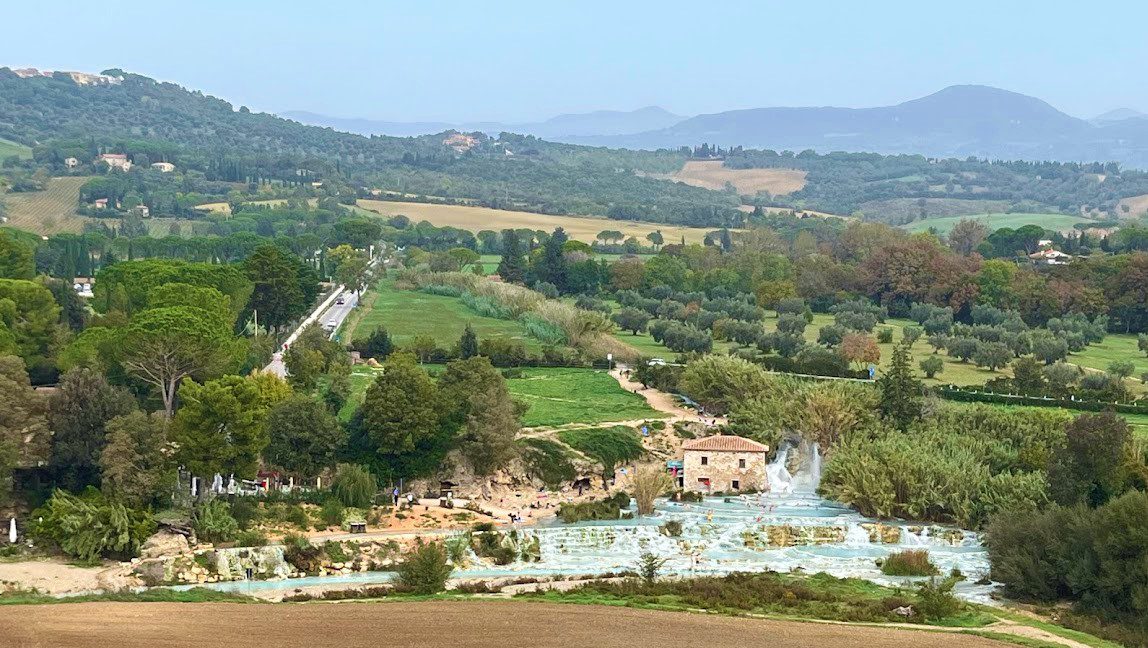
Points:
x=582 y=228
x=50 y=211
x=429 y=624
x=710 y=174
x=1137 y=206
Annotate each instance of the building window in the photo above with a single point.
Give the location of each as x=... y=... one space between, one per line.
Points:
x=705 y=461
x=736 y=485
x=740 y=464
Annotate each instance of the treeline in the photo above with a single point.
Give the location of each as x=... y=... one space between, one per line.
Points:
x=240 y=146
x=843 y=183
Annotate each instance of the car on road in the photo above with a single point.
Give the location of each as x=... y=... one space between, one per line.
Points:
x=331 y=325
x=340 y=301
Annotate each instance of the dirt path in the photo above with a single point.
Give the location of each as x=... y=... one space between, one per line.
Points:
x=55 y=577
x=454 y=624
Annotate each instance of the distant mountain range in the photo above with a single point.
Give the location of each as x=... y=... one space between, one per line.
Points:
x=600 y=123
x=958 y=121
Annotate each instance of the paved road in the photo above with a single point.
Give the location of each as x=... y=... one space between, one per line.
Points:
x=326 y=312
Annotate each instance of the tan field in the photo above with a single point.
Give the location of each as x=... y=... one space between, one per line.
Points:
x=429 y=624
x=225 y=208
x=582 y=228
x=50 y=211
x=710 y=174
x=1137 y=206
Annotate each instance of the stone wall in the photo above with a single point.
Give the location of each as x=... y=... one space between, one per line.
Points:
x=722 y=469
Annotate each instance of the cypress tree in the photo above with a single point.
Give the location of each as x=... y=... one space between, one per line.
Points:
x=468 y=344
x=512 y=267
x=900 y=403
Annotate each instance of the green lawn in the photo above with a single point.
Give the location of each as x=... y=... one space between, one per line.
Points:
x=8 y=149
x=557 y=396
x=997 y=221
x=407 y=313
x=955 y=372
x=1113 y=347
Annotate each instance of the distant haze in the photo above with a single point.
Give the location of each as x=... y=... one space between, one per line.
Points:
x=523 y=62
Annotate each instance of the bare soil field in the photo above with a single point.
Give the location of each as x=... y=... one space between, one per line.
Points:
x=50 y=211
x=432 y=624
x=582 y=228
x=1137 y=206
x=710 y=174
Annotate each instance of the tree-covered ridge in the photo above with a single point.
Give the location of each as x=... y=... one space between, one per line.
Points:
x=843 y=183
x=164 y=121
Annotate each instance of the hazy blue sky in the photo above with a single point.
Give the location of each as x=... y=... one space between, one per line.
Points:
x=426 y=60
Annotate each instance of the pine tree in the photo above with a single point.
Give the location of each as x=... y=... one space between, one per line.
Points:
x=900 y=402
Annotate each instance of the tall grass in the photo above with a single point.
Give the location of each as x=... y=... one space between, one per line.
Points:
x=551 y=321
x=911 y=562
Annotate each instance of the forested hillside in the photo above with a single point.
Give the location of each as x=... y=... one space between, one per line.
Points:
x=60 y=118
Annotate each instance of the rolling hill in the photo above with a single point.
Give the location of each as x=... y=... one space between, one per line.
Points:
x=958 y=121
x=559 y=128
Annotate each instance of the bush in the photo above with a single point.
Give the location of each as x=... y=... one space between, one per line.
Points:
x=298 y=516
x=354 y=485
x=649 y=565
x=213 y=522
x=335 y=552
x=672 y=528
x=426 y=569
x=300 y=553
x=885 y=335
x=911 y=562
x=91 y=526
x=332 y=513
x=607 y=509
x=936 y=600
x=251 y=538
x=245 y=512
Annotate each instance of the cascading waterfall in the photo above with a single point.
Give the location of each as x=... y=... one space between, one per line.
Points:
x=780 y=481
x=787 y=528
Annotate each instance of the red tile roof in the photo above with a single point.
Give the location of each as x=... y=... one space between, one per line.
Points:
x=725 y=443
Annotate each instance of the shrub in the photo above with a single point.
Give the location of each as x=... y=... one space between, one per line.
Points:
x=300 y=553
x=212 y=521
x=251 y=538
x=91 y=526
x=245 y=512
x=911 y=562
x=298 y=516
x=672 y=528
x=354 y=486
x=426 y=569
x=885 y=335
x=607 y=509
x=332 y=513
x=936 y=600
x=649 y=565
x=335 y=552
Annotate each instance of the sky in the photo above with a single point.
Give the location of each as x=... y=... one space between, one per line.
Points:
x=510 y=61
